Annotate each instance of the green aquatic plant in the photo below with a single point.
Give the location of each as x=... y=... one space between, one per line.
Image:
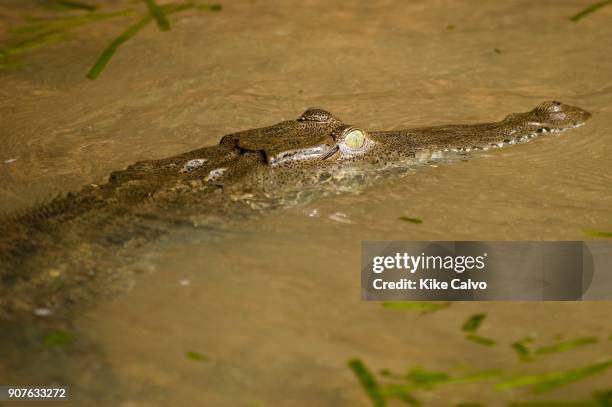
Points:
x=472 y=324
x=71 y=5
x=590 y=9
x=405 y=386
x=481 y=340
x=58 y=338
x=598 y=233
x=424 y=306
x=196 y=356
x=108 y=53
x=39 y=32
x=550 y=381
x=521 y=349
x=526 y=355
x=402 y=387
x=159 y=15
x=411 y=220
x=367 y=381
x=565 y=346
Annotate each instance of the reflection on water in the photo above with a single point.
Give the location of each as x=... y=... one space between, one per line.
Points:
x=274 y=303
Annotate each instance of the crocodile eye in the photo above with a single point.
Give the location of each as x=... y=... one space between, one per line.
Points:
x=551 y=107
x=355 y=138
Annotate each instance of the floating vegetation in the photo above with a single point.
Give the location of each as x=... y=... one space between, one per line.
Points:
x=565 y=346
x=603 y=397
x=481 y=340
x=71 y=5
x=198 y=357
x=398 y=386
x=58 y=338
x=550 y=381
x=424 y=306
x=411 y=220
x=590 y=9
x=159 y=15
x=526 y=355
x=558 y=404
x=426 y=380
x=368 y=382
x=402 y=386
x=40 y=32
x=598 y=233
x=43 y=32
x=107 y=54
x=29 y=44
x=209 y=7
x=473 y=323
x=521 y=349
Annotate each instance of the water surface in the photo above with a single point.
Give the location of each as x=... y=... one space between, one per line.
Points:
x=274 y=303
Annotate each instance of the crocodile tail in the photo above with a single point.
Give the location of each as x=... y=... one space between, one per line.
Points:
x=21 y=232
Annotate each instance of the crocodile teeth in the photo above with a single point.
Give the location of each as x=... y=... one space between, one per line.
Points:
x=214 y=174
x=193 y=164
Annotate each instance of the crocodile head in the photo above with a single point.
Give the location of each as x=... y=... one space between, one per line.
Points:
x=317 y=149
x=317 y=136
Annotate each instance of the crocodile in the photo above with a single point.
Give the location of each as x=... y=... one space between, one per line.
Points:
x=52 y=254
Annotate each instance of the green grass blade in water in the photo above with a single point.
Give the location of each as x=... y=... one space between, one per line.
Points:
x=197 y=356
x=550 y=381
x=29 y=44
x=473 y=323
x=72 y=5
x=159 y=15
x=425 y=306
x=557 y=404
x=210 y=7
x=591 y=9
x=368 y=382
x=565 y=346
x=598 y=233
x=129 y=33
x=59 y=338
x=108 y=53
x=411 y=220
x=521 y=350
x=481 y=340
x=66 y=22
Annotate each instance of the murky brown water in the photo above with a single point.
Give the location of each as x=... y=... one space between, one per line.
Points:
x=275 y=304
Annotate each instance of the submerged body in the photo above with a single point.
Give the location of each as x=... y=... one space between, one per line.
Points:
x=50 y=253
